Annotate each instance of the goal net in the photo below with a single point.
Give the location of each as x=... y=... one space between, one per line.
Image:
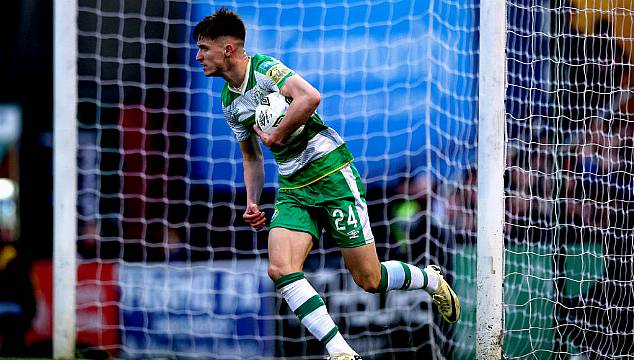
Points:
x=169 y=269
x=569 y=290
x=161 y=190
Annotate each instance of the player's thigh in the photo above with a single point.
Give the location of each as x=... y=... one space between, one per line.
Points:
x=345 y=209
x=287 y=251
x=363 y=263
x=293 y=213
x=291 y=234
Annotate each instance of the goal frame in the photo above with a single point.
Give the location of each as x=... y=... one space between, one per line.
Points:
x=64 y=183
x=490 y=163
x=491 y=135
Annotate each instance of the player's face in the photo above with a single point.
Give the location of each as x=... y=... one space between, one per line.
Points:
x=211 y=55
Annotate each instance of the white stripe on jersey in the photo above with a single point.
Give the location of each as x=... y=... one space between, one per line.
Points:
x=320 y=145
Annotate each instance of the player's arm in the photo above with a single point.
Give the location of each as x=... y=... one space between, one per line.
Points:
x=254 y=180
x=305 y=101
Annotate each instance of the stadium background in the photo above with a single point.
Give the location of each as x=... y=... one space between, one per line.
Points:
x=151 y=124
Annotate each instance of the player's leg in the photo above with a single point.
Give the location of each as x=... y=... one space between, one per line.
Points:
x=373 y=276
x=350 y=226
x=364 y=266
x=290 y=240
x=287 y=251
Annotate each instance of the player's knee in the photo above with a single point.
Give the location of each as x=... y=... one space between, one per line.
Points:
x=368 y=283
x=275 y=272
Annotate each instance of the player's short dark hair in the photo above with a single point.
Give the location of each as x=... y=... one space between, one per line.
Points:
x=223 y=22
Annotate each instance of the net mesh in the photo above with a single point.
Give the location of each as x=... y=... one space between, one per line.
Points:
x=177 y=273
x=569 y=284
x=161 y=190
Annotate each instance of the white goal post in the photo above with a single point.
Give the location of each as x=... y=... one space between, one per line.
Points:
x=491 y=167
x=65 y=178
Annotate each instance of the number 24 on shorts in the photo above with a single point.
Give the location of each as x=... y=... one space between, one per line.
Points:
x=338 y=215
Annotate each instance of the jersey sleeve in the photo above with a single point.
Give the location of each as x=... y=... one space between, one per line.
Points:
x=239 y=130
x=275 y=72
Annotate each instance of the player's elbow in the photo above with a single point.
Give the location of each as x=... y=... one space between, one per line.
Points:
x=313 y=98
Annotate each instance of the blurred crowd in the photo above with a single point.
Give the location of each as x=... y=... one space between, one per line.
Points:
x=17 y=298
x=569 y=193
x=595 y=187
x=569 y=184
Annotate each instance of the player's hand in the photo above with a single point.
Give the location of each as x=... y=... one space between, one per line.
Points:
x=254 y=217
x=269 y=140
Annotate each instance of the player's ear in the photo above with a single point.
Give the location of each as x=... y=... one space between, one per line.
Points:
x=228 y=50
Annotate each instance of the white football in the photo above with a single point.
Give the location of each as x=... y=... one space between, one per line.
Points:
x=270 y=113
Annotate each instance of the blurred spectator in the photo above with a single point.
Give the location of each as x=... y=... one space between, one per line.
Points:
x=529 y=193
x=93 y=244
x=164 y=243
x=17 y=300
x=593 y=74
x=87 y=240
x=412 y=226
x=175 y=247
x=518 y=207
x=462 y=207
x=407 y=210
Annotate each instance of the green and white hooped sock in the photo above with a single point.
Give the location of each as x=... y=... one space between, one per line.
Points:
x=311 y=311
x=397 y=275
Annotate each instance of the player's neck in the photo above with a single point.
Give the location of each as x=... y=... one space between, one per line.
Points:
x=235 y=77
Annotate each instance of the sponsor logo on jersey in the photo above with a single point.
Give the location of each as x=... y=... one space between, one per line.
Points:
x=353 y=234
x=277 y=72
x=267 y=65
x=233 y=111
x=258 y=96
x=264 y=101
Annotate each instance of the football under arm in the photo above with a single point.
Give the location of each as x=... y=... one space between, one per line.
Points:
x=306 y=99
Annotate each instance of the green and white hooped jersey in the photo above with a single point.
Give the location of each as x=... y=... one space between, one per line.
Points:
x=317 y=152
